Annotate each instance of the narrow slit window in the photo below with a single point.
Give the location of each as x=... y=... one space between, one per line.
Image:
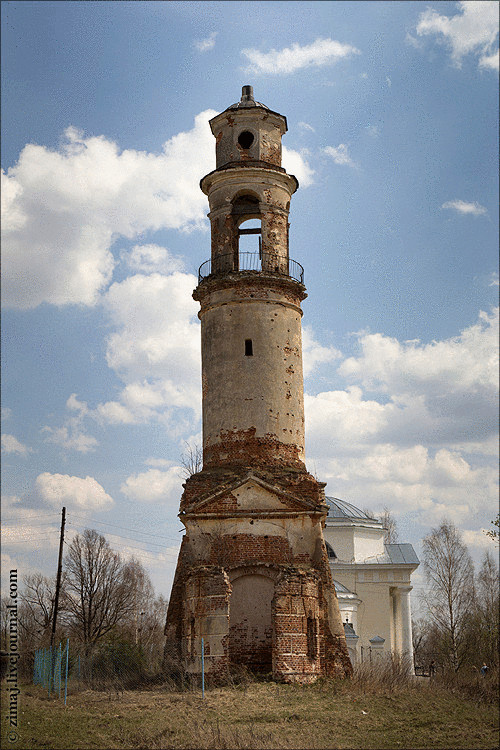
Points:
x=248 y=348
x=312 y=632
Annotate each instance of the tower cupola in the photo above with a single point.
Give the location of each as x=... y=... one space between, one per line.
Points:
x=249 y=183
x=248 y=132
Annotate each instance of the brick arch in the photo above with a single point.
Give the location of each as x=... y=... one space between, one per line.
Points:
x=268 y=570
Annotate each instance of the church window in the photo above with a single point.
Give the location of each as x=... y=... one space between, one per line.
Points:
x=248 y=348
x=330 y=552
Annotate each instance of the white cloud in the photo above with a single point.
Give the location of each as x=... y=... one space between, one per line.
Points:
x=288 y=60
x=155 y=486
x=204 y=45
x=306 y=126
x=467 y=363
x=296 y=163
x=388 y=81
x=313 y=353
x=155 y=350
x=490 y=62
x=62 y=489
x=336 y=418
x=75 y=405
x=425 y=440
x=64 y=211
x=373 y=130
x=152 y=259
x=10 y=444
x=477 y=538
x=464 y=207
x=72 y=436
x=340 y=155
x=473 y=30
x=154 y=339
x=66 y=208
x=12 y=212
x=411 y=480
x=159 y=463
x=494 y=279
x=21 y=527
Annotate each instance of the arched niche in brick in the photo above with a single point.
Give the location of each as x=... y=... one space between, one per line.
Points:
x=250 y=618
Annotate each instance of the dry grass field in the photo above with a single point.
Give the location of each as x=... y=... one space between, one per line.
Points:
x=329 y=714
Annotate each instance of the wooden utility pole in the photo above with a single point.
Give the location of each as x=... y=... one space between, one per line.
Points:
x=58 y=579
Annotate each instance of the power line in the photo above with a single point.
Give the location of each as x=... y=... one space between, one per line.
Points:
x=120 y=536
x=28 y=538
x=133 y=539
x=124 y=528
x=140 y=549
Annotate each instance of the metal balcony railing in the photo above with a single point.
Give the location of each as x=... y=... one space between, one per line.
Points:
x=256 y=262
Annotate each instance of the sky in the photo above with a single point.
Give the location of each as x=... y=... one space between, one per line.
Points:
x=392 y=134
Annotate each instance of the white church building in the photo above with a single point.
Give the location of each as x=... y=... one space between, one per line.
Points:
x=372 y=581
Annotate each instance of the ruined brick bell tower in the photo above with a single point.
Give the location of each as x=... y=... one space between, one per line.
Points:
x=252 y=577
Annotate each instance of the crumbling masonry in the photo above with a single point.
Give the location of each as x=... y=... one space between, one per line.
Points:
x=252 y=577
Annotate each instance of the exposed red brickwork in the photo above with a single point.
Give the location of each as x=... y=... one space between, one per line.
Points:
x=296 y=608
x=296 y=482
x=250 y=284
x=245 y=549
x=257 y=655
x=243 y=447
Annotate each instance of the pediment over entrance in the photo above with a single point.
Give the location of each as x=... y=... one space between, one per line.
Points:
x=253 y=496
x=249 y=496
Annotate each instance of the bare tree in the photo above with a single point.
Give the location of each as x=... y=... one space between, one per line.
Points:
x=487 y=584
x=38 y=596
x=98 y=587
x=141 y=588
x=390 y=527
x=4 y=623
x=450 y=574
x=191 y=460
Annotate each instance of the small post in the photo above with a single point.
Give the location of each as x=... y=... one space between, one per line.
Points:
x=202 y=668
x=60 y=667
x=66 y=681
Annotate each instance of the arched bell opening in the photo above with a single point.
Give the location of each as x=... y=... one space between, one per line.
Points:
x=250 y=245
x=247 y=223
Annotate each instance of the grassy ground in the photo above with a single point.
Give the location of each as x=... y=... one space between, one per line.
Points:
x=258 y=715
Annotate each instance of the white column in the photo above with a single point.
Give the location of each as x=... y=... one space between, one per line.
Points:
x=406 y=636
x=396 y=611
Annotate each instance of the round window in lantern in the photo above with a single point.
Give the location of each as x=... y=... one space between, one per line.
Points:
x=245 y=139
